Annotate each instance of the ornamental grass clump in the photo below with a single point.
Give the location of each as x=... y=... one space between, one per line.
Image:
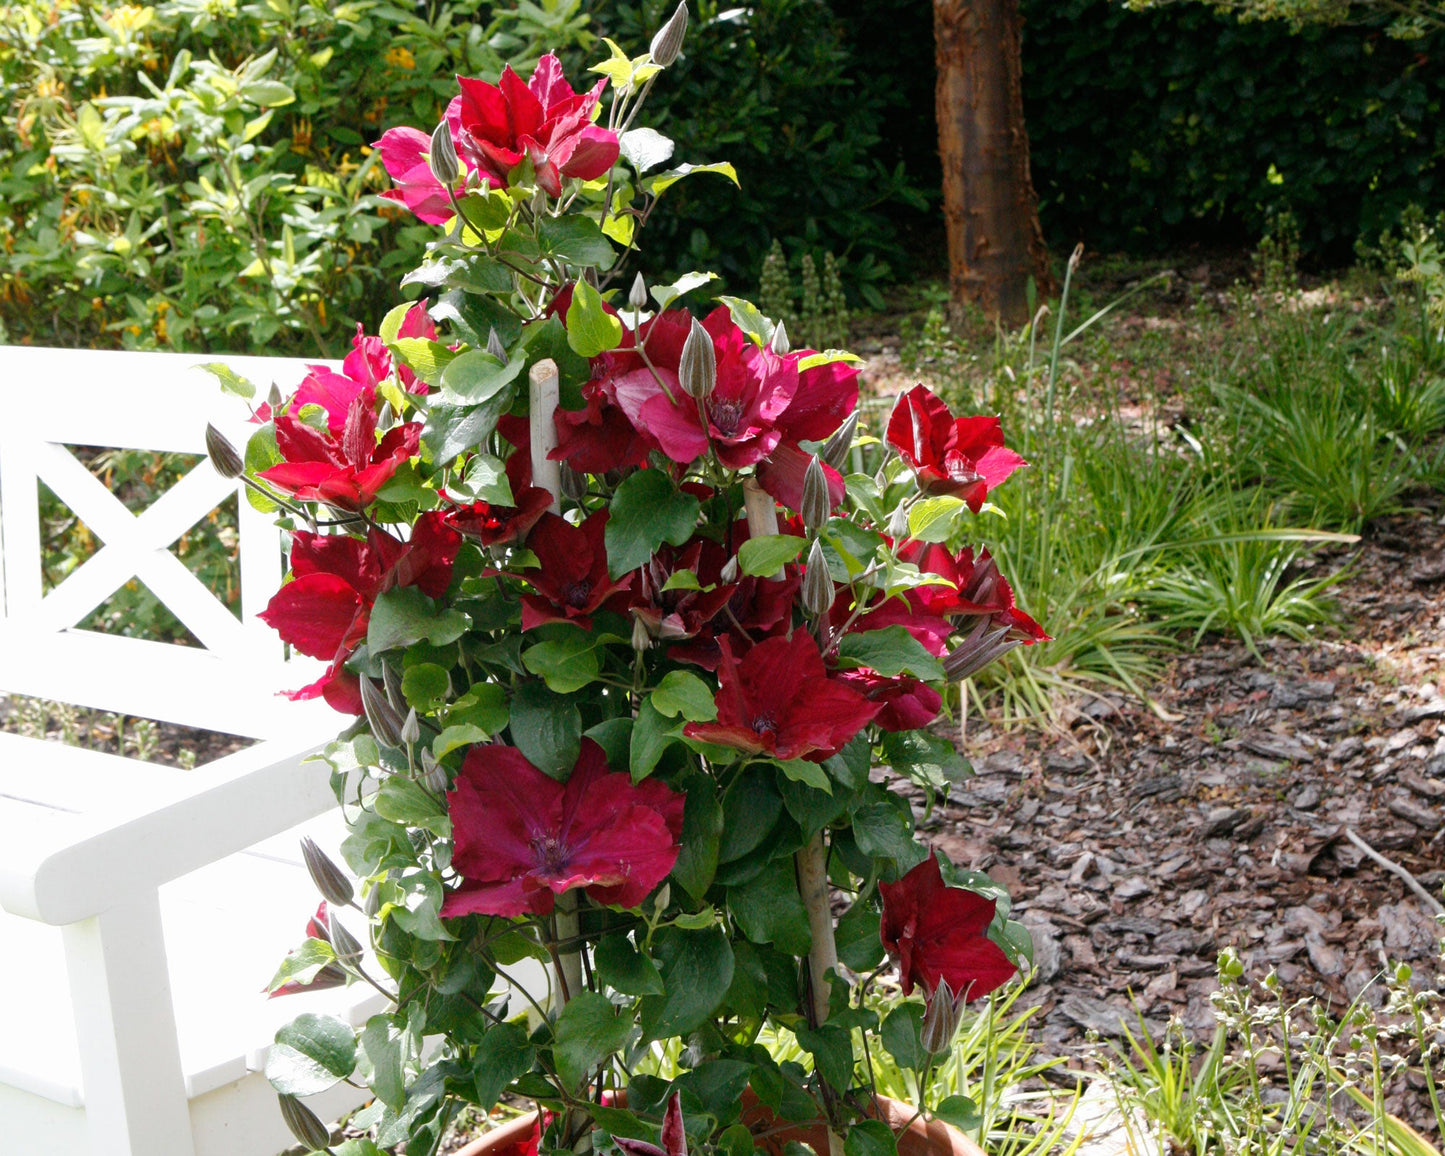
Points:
x=634 y=670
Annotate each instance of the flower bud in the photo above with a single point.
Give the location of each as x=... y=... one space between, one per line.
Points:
x=333 y=884
x=304 y=1124
x=386 y=418
x=664 y=897
x=495 y=346
x=392 y=681
x=442 y=156
x=697 y=370
x=411 y=728
x=835 y=449
x=574 y=485
x=433 y=774
x=729 y=572
x=985 y=642
x=666 y=46
x=371 y=902
x=385 y=721
x=273 y=396
x=780 y=343
x=940 y=1019
x=641 y=636
x=637 y=295
x=223 y=454
x=816 y=503
x=818 y=592
x=346 y=945
x=898 y=522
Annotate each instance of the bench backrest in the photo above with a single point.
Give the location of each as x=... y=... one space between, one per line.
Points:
x=52 y=399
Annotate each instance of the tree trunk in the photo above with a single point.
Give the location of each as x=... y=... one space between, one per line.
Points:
x=994 y=241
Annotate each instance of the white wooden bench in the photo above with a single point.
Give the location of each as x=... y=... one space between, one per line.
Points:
x=145 y=908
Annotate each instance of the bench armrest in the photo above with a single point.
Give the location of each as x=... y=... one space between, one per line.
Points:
x=60 y=868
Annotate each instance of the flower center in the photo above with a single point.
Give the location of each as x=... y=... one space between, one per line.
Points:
x=551 y=853
x=765 y=724
x=578 y=593
x=725 y=415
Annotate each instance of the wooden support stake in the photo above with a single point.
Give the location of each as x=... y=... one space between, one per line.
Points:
x=544 y=390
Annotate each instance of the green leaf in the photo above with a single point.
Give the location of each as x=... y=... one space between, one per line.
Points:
x=859 y=946
x=311 y=1053
x=747 y=317
x=454 y=737
x=261 y=454
x=882 y=832
x=484 y=707
x=485 y=480
x=832 y=1050
x=403 y=801
x=622 y=967
x=476 y=375
x=391 y=323
x=404 y=615
x=504 y=1054
x=487 y=212
x=591 y=330
x=901 y=1034
x=271 y=93
x=750 y=811
x=763 y=557
x=925 y=757
x=870 y=1138
x=697 y=968
x=424 y=357
x=665 y=295
x=646 y=511
x=803 y=771
x=577 y=240
x=588 y=1030
x=425 y=686
x=827 y=357
x=959 y=1111
x=890 y=651
x=547 y=728
x=681 y=580
x=702 y=825
x=567 y=663
x=645 y=148
x=301 y=965
x=768 y=909
x=663 y=181
x=454 y=429
x=682 y=693
x=231 y=381
x=380 y=1042
x=933 y=519
x=652 y=734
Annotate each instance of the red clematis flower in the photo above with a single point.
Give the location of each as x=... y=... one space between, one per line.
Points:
x=370 y=361
x=325 y=610
x=962 y=456
x=754 y=388
x=572 y=582
x=344 y=471
x=779 y=701
x=494 y=525
x=523 y=838
x=906 y=703
x=543 y=120
x=404 y=156
x=682 y=612
x=938 y=932
x=979 y=590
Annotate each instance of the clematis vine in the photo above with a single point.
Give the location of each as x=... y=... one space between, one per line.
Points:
x=937 y=933
x=964 y=457
x=522 y=838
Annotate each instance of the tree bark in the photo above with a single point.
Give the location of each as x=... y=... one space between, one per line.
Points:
x=994 y=241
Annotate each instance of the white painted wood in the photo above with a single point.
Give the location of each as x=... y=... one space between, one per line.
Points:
x=135 y=1099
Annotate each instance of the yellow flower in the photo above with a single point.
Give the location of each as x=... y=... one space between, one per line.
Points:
x=399 y=57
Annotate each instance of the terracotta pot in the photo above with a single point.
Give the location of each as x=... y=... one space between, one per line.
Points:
x=922 y=1138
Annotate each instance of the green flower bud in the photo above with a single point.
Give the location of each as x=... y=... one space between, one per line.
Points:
x=346 y=945
x=818 y=591
x=495 y=346
x=780 y=343
x=385 y=721
x=697 y=369
x=835 y=449
x=637 y=295
x=666 y=46
x=816 y=503
x=940 y=1019
x=333 y=884
x=304 y=1124
x=442 y=156
x=411 y=728
x=223 y=454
